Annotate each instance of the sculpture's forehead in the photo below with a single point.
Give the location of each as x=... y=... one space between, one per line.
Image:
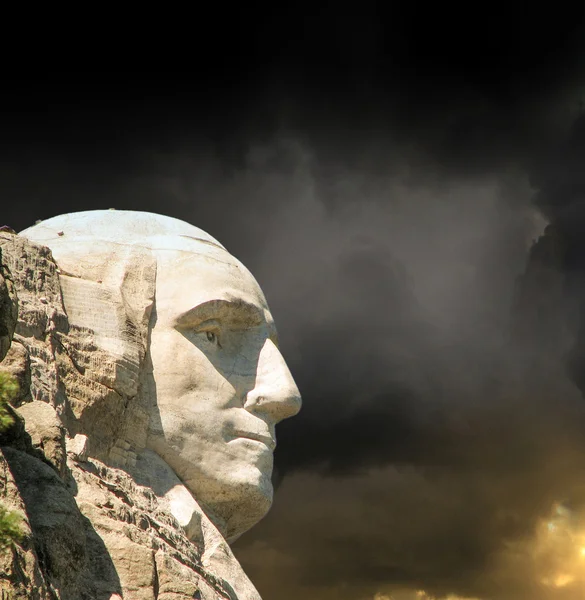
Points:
x=188 y=278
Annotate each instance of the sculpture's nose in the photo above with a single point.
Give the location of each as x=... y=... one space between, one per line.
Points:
x=275 y=393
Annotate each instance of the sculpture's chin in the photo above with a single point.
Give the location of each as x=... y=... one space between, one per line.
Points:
x=238 y=506
x=231 y=483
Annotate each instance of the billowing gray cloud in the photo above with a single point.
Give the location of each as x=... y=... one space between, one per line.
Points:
x=440 y=428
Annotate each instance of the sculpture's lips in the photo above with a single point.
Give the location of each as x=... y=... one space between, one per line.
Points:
x=257 y=437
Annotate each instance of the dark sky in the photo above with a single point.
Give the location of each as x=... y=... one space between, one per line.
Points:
x=383 y=171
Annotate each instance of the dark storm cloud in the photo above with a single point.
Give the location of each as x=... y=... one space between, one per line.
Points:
x=402 y=350
x=392 y=302
x=386 y=206
x=493 y=438
x=395 y=318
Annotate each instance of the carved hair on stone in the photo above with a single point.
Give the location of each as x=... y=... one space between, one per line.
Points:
x=83 y=349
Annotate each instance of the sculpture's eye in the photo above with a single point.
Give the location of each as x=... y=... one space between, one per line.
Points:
x=211 y=329
x=212 y=337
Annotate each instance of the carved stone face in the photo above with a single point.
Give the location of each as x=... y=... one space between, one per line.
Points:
x=221 y=383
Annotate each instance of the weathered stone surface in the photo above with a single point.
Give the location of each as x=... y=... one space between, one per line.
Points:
x=151 y=386
x=135 y=526
x=8 y=308
x=97 y=535
x=41 y=317
x=78 y=447
x=47 y=433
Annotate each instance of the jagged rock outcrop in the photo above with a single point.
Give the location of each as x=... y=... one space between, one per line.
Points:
x=542 y=309
x=8 y=308
x=90 y=531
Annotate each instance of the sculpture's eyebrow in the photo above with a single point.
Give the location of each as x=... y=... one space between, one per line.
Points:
x=238 y=312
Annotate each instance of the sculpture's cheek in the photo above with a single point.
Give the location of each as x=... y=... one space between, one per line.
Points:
x=178 y=365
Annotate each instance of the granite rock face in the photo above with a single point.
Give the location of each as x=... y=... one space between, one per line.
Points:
x=91 y=532
x=542 y=308
x=8 y=308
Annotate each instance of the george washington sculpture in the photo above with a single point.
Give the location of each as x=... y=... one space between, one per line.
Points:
x=155 y=353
